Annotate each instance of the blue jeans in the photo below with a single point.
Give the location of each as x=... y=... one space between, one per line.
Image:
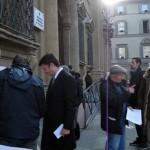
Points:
x=115 y=141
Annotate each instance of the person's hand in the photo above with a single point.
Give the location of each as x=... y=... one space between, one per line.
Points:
x=131 y=108
x=65 y=132
x=131 y=89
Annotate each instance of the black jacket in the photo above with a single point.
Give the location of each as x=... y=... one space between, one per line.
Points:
x=113 y=96
x=88 y=80
x=136 y=78
x=60 y=108
x=21 y=104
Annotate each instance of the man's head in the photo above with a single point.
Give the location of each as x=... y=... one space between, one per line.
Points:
x=88 y=72
x=20 y=61
x=117 y=73
x=49 y=64
x=135 y=63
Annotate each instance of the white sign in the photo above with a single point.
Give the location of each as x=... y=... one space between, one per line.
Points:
x=38 y=19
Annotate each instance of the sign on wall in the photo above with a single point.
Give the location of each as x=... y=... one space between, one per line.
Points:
x=38 y=19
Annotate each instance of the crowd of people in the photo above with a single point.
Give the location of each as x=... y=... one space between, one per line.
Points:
x=117 y=93
x=23 y=102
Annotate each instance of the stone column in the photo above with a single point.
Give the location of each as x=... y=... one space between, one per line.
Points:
x=66 y=38
x=74 y=47
x=51 y=27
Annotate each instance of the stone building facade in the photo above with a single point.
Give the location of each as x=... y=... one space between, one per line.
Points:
x=72 y=32
x=131 y=23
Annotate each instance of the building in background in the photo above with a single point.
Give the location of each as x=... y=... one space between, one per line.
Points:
x=131 y=37
x=70 y=29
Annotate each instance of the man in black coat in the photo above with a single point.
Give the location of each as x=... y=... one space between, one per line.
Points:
x=21 y=105
x=88 y=79
x=60 y=106
x=136 y=76
x=114 y=94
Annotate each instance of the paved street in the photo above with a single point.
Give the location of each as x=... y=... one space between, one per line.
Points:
x=93 y=138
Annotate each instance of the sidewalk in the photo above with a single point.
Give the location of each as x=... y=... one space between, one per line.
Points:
x=93 y=138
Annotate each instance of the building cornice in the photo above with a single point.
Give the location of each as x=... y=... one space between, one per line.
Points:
x=17 y=39
x=132 y=35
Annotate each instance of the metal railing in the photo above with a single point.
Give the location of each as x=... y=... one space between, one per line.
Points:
x=91 y=102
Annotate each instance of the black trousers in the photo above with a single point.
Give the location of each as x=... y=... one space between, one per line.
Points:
x=49 y=142
x=140 y=133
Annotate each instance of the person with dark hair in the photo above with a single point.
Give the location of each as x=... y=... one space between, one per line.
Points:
x=60 y=106
x=144 y=103
x=88 y=79
x=22 y=103
x=136 y=76
x=79 y=100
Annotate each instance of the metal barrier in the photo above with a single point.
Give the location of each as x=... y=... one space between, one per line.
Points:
x=91 y=102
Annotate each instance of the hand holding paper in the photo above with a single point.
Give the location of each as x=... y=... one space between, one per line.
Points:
x=134 y=115
x=57 y=132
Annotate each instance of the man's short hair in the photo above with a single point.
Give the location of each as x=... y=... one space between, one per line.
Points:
x=137 y=60
x=20 y=61
x=47 y=59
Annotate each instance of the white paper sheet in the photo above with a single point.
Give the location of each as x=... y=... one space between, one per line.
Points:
x=134 y=116
x=2 y=68
x=3 y=147
x=57 y=132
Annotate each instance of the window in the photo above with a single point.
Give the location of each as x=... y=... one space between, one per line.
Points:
x=145 y=26
x=120 y=10
x=121 y=28
x=17 y=16
x=122 y=51
x=146 y=51
x=144 y=8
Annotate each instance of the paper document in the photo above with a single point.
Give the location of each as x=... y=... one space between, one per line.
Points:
x=2 y=68
x=134 y=116
x=3 y=147
x=57 y=132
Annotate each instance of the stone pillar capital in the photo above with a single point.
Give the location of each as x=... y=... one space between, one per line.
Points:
x=67 y=26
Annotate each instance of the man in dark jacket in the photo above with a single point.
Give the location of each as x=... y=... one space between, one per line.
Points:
x=114 y=95
x=60 y=106
x=88 y=79
x=136 y=76
x=21 y=105
x=145 y=104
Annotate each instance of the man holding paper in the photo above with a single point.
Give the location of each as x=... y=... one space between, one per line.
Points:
x=144 y=103
x=136 y=76
x=114 y=94
x=58 y=129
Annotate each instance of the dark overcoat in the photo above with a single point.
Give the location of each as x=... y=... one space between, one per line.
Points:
x=60 y=108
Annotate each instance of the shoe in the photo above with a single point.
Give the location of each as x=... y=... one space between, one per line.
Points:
x=135 y=143
x=146 y=148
